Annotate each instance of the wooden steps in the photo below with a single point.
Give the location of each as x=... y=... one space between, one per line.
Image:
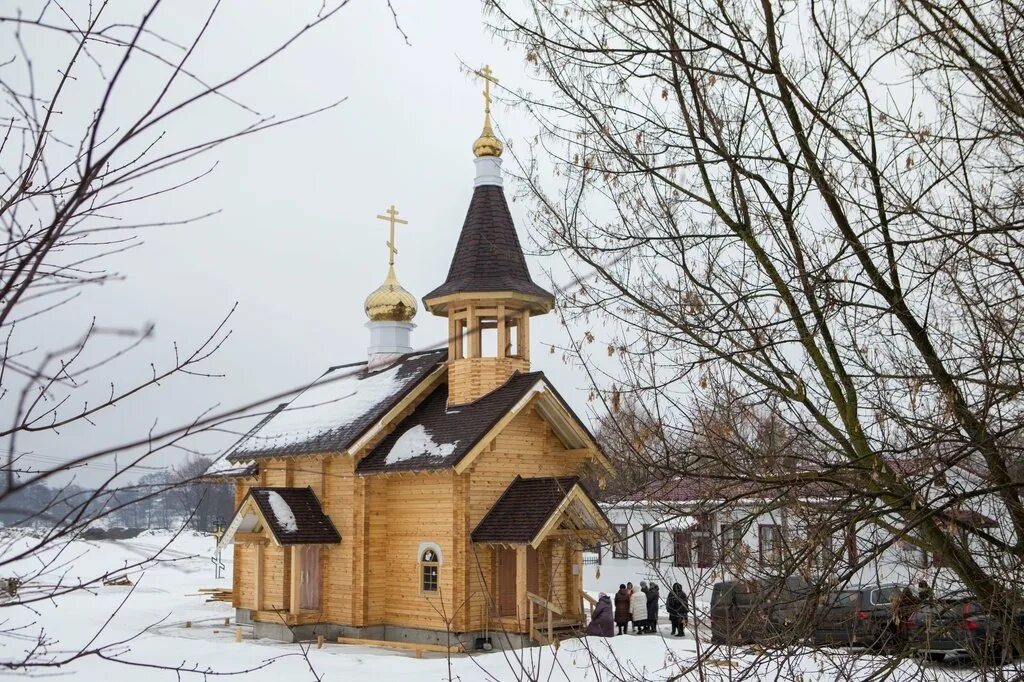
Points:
x=416 y=647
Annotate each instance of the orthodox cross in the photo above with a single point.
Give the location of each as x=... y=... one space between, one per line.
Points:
x=391 y=216
x=489 y=78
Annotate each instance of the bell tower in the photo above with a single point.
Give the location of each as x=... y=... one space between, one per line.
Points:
x=488 y=296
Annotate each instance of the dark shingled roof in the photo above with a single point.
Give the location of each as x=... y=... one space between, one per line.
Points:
x=488 y=256
x=523 y=509
x=460 y=427
x=314 y=527
x=357 y=397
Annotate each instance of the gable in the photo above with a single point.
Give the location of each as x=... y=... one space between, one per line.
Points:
x=531 y=508
x=544 y=401
x=292 y=516
x=436 y=436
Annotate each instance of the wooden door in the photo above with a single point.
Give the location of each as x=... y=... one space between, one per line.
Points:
x=506 y=582
x=532 y=571
x=309 y=577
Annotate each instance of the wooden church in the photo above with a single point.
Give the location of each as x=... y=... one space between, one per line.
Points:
x=425 y=497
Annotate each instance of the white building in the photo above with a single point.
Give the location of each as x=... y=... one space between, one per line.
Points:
x=682 y=531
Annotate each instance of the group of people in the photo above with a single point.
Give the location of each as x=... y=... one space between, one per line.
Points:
x=639 y=609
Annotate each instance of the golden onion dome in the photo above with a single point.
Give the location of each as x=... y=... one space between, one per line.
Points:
x=390 y=302
x=487 y=144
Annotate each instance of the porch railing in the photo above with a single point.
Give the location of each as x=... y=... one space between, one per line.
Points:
x=552 y=610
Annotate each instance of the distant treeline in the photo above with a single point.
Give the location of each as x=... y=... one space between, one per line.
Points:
x=164 y=499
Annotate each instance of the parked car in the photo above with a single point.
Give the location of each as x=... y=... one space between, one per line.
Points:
x=984 y=636
x=747 y=611
x=861 y=616
x=937 y=628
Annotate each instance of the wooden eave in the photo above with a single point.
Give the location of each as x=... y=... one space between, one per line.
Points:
x=248 y=537
x=537 y=305
x=564 y=510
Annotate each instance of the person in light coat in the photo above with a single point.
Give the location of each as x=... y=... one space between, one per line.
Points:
x=638 y=608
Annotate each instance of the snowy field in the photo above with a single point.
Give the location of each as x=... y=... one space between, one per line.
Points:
x=144 y=625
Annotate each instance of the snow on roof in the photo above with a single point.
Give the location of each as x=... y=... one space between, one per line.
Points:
x=417 y=442
x=328 y=402
x=226 y=468
x=283 y=514
x=329 y=414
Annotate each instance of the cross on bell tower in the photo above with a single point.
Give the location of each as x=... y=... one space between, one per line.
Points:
x=487 y=144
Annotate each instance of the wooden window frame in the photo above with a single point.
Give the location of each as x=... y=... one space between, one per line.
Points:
x=681 y=539
x=620 y=546
x=704 y=544
x=777 y=540
x=652 y=554
x=429 y=570
x=731 y=537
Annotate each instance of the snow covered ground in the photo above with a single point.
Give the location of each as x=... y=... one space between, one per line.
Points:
x=144 y=625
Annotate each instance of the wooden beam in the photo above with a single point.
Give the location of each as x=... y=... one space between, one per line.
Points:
x=521 y=601
x=293 y=587
x=524 y=336
x=258 y=600
x=410 y=646
x=454 y=339
x=574 y=557
x=502 y=331
x=474 y=333
x=251 y=538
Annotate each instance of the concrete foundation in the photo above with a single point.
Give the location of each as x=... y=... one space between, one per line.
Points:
x=388 y=633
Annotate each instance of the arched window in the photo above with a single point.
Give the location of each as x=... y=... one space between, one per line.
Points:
x=428 y=570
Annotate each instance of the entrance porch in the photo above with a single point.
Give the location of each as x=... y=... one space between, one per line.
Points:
x=537 y=531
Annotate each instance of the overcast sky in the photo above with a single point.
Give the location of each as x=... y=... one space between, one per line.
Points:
x=296 y=243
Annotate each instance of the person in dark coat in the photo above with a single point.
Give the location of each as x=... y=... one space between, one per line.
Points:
x=630 y=589
x=622 y=616
x=653 y=599
x=601 y=622
x=676 y=607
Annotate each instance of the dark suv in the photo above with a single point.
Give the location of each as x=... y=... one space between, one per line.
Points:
x=937 y=628
x=763 y=610
x=860 y=616
x=984 y=636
